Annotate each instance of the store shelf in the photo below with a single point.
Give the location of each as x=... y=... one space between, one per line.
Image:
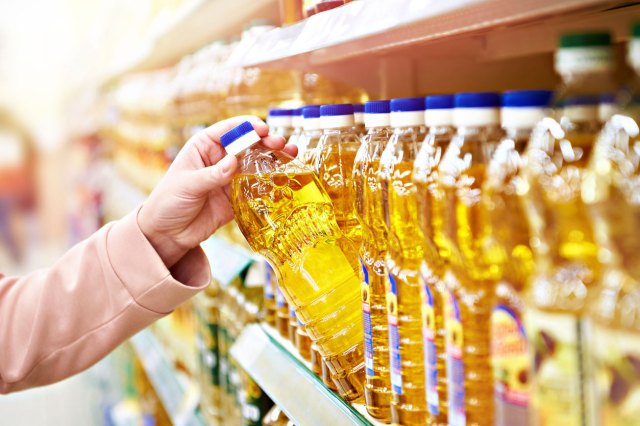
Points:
x=227 y=260
x=288 y=380
x=194 y=25
x=365 y=28
x=179 y=397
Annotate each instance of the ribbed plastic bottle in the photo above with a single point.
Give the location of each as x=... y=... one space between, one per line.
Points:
x=438 y=119
x=297 y=123
x=521 y=111
x=286 y=216
x=358 y=119
x=612 y=192
x=308 y=141
x=373 y=252
x=567 y=265
x=404 y=258
x=279 y=122
x=338 y=146
x=473 y=271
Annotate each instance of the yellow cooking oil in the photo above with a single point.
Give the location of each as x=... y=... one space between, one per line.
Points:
x=567 y=266
x=303 y=342
x=473 y=269
x=521 y=111
x=337 y=150
x=612 y=191
x=404 y=258
x=438 y=119
x=373 y=251
x=287 y=217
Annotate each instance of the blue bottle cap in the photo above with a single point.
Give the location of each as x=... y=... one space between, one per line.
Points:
x=527 y=98
x=236 y=133
x=608 y=98
x=297 y=112
x=358 y=108
x=377 y=107
x=311 y=111
x=581 y=100
x=477 y=100
x=439 y=102
x=337 y=109
x=407 y=104
x=280 y=112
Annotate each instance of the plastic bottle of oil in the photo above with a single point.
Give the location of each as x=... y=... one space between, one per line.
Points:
x=297 y=122
x=404 y=257
x=269 y=307
x=358 y=119
x=286 y=216
x=473 y=272
x=303 y=342
x=253 y=90
x=293 y=325
x=521 y=111
x=567 y=268
x=438 y=119
x=612 y=195
x=308 y=141
x=337 y=151
x=282 y=310
x=280 y=122
x=373 y=252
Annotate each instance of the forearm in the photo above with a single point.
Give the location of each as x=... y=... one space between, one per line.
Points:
x=59 y=321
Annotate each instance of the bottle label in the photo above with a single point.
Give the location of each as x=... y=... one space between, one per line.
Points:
x=616 y=356
x=455 y=365
x=268 y=282
x=394 y=336
x=280 y=302
x=510 y=358
x=429 y=337
x=557 y=385
x=366 y=321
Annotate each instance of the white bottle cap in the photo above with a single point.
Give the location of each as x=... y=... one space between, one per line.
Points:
x=336 y=116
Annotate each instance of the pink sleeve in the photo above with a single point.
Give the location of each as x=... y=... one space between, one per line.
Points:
x=59 y=321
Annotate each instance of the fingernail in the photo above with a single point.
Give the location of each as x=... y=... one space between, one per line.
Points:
x=225 y=164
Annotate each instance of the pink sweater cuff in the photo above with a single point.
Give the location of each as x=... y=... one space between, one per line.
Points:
x=144 y=274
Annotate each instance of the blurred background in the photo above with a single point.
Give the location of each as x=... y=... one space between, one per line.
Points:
x=98 y=96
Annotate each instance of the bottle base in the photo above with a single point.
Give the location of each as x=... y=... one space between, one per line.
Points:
x=407 y=416
x=347 y=370
x=378 y=402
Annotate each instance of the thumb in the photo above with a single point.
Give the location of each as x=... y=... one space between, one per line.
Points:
x=209 y=178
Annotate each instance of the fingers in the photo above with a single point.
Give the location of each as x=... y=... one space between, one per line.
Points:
x=203 y=181
x=291 y=149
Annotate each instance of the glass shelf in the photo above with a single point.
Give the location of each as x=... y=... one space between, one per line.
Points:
x=275 y=365
x=178 y=396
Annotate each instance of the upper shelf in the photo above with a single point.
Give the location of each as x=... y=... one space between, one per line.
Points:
x=195 y=24
x=364 y=28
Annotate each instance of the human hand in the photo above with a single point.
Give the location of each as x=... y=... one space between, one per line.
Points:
x=192 y=200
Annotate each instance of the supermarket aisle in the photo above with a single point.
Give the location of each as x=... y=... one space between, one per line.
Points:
x=71 y=402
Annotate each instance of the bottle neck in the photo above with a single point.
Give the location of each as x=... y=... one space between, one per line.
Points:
x=338 y=130
x=440 y=130
x=377 y=131
x=519 y=135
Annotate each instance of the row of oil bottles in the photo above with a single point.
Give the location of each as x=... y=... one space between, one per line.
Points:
x=151 y=114
x=467 y=259
x=229 y=394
